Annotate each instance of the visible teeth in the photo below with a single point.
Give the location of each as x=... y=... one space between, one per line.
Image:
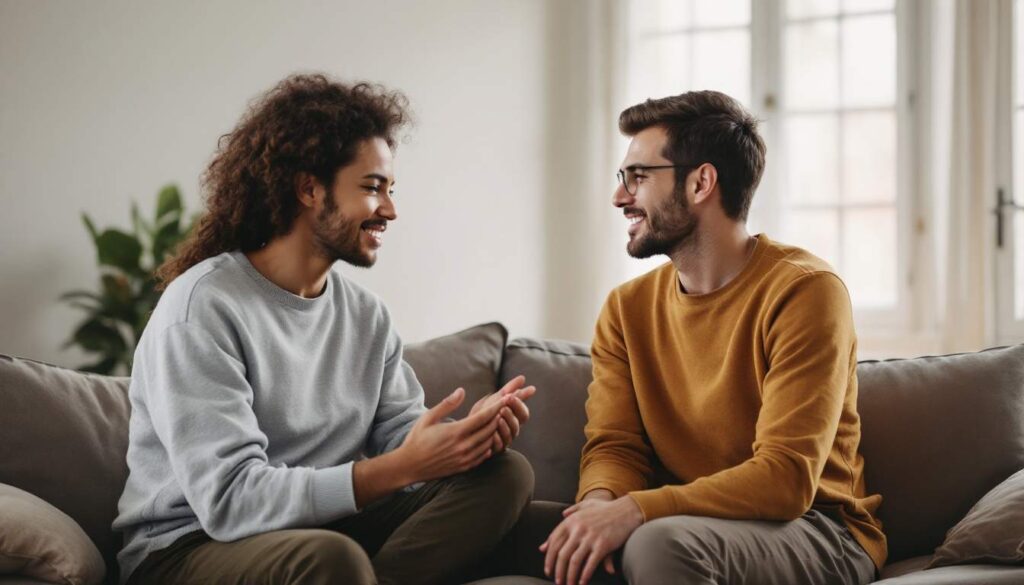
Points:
x=635 y=219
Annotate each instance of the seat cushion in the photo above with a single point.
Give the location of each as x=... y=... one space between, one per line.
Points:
x=553 y=438
x=937 y=434
x=961 y=575
x=63 y=438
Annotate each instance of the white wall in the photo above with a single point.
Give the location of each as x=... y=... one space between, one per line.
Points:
x=101 y=103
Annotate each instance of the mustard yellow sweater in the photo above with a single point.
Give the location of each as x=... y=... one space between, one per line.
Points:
x=739 y=403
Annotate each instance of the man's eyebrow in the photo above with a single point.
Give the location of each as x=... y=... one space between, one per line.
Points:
x=379 y=177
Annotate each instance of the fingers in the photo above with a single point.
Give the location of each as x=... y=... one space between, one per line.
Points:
x=505 y=433
x=526 y=393
x=445 y=407
x=511 y=421
x=482 y=417
x=565 y=556
x=483 y=434
x=576 y=563
x=512 y=385
x=570 y=510
x=551 y=548
x=609 y=565
x=588 y=569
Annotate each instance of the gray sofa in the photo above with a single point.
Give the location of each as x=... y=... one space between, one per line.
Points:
x=938 y=433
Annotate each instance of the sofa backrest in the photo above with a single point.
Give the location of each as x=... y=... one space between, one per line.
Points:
x=937 y=432
x=64 y=433
x=63 y=437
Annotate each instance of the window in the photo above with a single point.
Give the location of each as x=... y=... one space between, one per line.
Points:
x=1018 y=159
x=823 y=76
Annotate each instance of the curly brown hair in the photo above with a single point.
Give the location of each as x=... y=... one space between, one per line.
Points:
x=306 y=124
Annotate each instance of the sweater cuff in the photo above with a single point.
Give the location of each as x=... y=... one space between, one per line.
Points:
x=334 y=496
x=656 y=503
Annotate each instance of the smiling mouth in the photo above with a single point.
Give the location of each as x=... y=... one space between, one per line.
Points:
x=376 y=232
x=634 y=219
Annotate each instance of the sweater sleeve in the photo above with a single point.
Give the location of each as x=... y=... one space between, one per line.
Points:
x=617 y=453
x=401 y=401
x=810 y=348
x=200 y=405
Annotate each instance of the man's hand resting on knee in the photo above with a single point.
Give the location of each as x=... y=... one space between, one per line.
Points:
x=588 y=535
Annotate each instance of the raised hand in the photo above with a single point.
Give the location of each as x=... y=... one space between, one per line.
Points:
x=513 y=416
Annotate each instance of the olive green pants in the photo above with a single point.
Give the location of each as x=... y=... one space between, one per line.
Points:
x=436 y=534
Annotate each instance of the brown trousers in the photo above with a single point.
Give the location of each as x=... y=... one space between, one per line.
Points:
x=437 y=534
x=692 y=550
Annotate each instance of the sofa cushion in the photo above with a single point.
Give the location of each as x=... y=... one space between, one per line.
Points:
x=992 y=532
x=961 y=575
x=937 y=434
x=39 y=541
x=63 y=438
x=553 y=438
x=469 y=358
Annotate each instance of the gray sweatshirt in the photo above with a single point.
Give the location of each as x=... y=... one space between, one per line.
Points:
x=250 y=404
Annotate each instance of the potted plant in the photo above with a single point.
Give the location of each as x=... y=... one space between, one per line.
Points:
x=118 y=313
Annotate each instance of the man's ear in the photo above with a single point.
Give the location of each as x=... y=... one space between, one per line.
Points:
x=707 y=182
x=306 y=189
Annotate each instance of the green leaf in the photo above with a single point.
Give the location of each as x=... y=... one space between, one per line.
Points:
x=89 y=225
x=95 y=335
x=140 y=225
x=105 y=366
x=119 y=250
x=80 y=294
x=167 y=201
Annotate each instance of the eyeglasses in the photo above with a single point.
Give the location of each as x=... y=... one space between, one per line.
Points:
x=627 y=176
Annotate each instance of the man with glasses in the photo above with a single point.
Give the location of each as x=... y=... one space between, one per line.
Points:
x=722 y=433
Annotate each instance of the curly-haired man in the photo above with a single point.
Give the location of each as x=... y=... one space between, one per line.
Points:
x=276 y=434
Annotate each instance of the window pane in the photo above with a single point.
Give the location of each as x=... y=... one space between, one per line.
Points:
x=804 y=8
x=816 y=231
x=1018 y=57
x=851 y=6
x=869 y=157
x=650 y=15
x=1018 y=156
x=722 y=62
x=869 y=256
x=722 y=12
x=869 y=60
x=812 y=76
x=812 y=160
x=1018 y=265
x=660 y=67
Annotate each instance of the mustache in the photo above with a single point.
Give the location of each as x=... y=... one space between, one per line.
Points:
x=371 y=223
x=633 y=210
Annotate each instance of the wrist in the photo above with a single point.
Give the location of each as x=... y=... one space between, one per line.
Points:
x=401 y=466
x=631 y=510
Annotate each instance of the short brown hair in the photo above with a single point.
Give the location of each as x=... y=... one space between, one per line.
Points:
x=707 y=126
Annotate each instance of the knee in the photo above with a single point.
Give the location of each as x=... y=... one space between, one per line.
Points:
x=669 y=550
x=510 y=476
x=324 y=556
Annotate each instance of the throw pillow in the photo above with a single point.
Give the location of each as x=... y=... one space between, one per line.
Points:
x=992 y=532
x=39 y=541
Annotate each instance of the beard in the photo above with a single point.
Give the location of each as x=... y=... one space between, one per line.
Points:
x=340 y=238
x=665 y=229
